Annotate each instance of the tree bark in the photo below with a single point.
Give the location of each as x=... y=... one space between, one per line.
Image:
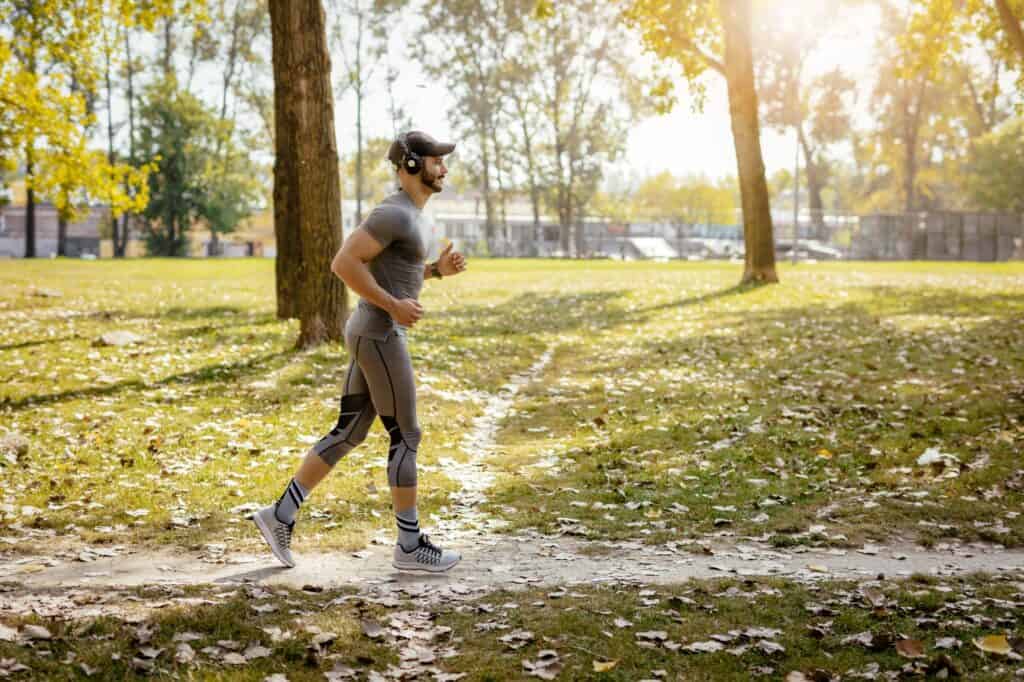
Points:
x=30 y=210
x=114 y=227
x=759 y=266
x=1011 y=24
x=120 y=239
x=359 y=116
x=167 y=58
x=62 y=235
x=488 y=198
x=307 y=191
x=815 y=171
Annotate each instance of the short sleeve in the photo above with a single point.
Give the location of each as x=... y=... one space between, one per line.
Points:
x=386 y=224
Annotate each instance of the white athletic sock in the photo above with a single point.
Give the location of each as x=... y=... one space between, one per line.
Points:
x=408 y=529
x=292 y=498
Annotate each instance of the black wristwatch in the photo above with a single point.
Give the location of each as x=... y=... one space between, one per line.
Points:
x=434 y=270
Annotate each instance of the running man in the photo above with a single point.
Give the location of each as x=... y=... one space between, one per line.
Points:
x=383 y=262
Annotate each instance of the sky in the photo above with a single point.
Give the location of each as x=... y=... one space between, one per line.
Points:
x=683 y=142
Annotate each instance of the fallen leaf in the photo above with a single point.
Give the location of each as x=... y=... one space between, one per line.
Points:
x=255 y=651
x=910 y=648
x=234 y=659
x=604 y=666
x=372 y=629
x=184 y=654
x=708 y=647
x=993 y=644
x=769 y=647
x=36 y=632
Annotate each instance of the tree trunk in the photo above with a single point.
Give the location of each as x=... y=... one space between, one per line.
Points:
x=30 y=209
x=110 y=136
x=1011 y=24
x=120 y=245
x=815 y=181
x=62 y=235
x=307 y=190
x=488 y=199
x=564 y=214
x=359 y=117
x=121 y=240
x=168 y=54
x=759 y=264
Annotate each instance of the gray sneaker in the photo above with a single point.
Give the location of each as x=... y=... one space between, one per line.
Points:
x=425 y=557
x=277 y=534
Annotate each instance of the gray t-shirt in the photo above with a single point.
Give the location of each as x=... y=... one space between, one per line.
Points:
x=398 y=269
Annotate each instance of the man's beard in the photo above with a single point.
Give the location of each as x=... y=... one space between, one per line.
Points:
x=431 y=181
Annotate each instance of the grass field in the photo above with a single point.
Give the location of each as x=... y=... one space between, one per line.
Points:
x=676 y=407
x=676 y=404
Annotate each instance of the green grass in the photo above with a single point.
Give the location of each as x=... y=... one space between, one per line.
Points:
x=671 y=393
x=581 y=624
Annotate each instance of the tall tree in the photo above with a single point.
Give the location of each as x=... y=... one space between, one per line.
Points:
x=943 y=25
x=995 y=175
x=307 y=195
x=182 y=138
x=360 y=32
x=815 y=105
x=56 y=66
x=717 y=35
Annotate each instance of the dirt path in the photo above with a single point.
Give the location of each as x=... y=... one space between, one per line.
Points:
x=510 y=562
x=493 y=561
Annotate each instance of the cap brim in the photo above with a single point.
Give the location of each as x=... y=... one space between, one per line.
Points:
x=441 y=149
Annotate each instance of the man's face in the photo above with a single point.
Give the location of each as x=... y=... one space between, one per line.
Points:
x=433 y=172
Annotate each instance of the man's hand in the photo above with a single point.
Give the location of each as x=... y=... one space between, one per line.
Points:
x=450 y=263
x=406 y=311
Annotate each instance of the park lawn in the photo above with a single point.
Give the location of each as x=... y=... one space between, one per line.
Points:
x=676 y=404
x=754 y=628
x=174 y=440
x=688 y=408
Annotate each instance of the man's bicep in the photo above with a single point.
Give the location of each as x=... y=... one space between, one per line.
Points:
x=362 y=245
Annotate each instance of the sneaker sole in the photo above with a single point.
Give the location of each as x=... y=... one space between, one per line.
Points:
x=269 y=538
x=420 y=568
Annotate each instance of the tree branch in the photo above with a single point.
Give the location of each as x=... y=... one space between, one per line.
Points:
x=702 y=55
x=1012 y=26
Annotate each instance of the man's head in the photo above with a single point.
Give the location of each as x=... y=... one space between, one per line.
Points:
x=417 y=155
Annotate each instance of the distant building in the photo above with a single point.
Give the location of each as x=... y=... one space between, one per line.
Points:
x=83 y=237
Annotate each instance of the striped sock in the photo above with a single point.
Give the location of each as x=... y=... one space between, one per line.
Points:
x=292 y=498
x=408 y=529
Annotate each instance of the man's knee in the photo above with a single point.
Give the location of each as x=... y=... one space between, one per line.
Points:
x=401 y=453
x=350 y=431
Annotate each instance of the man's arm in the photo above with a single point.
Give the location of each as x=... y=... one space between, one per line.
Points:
x=350 y=265
x=447 y=264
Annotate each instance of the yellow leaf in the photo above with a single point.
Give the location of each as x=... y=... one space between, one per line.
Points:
x=824 y=454
x=993 y=644
x=604 y=666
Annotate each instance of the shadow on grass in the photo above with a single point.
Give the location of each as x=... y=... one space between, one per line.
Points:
x=38 y=342
x=532 y=313
x=221 y=372
x=814 y=376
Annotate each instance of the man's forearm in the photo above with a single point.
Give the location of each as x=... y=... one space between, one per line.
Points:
x=358 y=278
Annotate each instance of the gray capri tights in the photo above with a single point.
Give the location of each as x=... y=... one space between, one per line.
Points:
x=379 y=382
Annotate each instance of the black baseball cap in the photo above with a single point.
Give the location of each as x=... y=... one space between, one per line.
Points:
x=418 y=143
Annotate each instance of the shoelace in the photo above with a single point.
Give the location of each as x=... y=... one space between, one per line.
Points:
x=283 y=534
x=428 y=551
